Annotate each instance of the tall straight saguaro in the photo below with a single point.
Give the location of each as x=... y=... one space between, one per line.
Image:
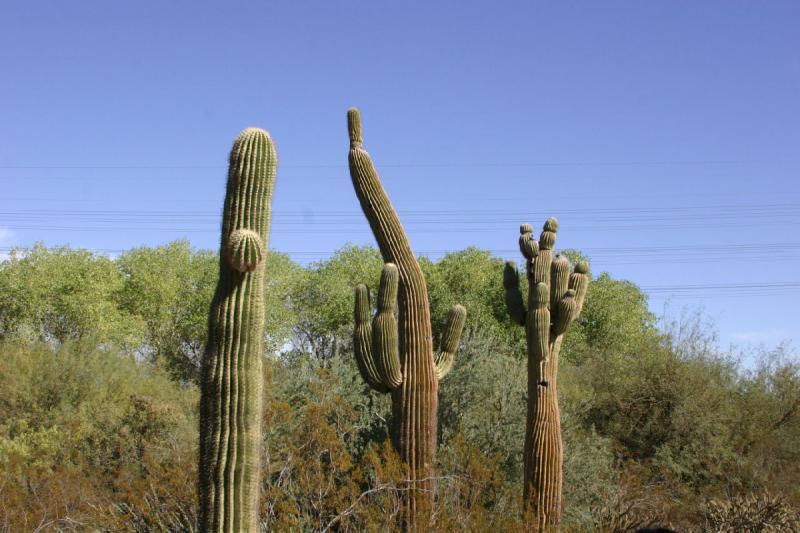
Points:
x=555 y=299
x=395 y=353
x=231 y=388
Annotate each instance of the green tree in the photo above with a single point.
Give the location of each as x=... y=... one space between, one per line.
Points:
x=168 y=287
x=61 y=294
x=323 y=300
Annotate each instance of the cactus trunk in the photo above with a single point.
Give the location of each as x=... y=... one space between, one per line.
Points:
x=402 y=363
x=555 y=299
x=543 y=451
x=232 y=377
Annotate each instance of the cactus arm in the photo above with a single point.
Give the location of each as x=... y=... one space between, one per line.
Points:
x=579 y=282
x=565 y=313
x=362 y=340
x=527 y=244
x=451 y=336
x=513 y=296
x=539 y=323
x=559 y=280
x=541 y=263
x=384 y=330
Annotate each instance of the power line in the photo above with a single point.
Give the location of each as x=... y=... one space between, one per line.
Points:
x=677 y=162
x=600 y=258
x=433 y=228
x=694 y=291
x=724 y=286
x=472 y=219
x=416 y=212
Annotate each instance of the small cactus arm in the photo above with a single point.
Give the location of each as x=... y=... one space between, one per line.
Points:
x=555 y=299
x=394 y=350
x=231 y=382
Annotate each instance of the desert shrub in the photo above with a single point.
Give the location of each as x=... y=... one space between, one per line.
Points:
x=753 y=513
x=98 y=421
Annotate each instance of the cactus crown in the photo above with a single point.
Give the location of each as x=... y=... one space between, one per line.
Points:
x=550 y=278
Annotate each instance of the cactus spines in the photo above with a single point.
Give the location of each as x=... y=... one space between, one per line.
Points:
x=412 y=375
x=451 y=336
x=231 y=384
x=384 y=332
x=559 y=279
x=544 y=257
x=514 y=302
x=555 y=299
x=244 y=250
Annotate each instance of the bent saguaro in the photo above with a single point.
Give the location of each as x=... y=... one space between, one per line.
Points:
x=394 y=350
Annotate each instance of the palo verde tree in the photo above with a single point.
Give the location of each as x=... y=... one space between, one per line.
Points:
x=231 y=375
x=555 y=299
x=394 y=351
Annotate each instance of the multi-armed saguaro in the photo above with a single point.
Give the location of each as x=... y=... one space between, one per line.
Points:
x=231 y=389
x=395 y=353
x=555 y=299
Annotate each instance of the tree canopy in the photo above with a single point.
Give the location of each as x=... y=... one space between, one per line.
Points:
x=98 y=402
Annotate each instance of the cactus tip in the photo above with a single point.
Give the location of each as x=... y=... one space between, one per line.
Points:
x=551 y=225
x=354 y=126
x=253 y=132
x=525 y=228
x=582 y=267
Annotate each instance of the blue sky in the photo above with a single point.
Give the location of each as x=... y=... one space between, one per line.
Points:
x=663 y=135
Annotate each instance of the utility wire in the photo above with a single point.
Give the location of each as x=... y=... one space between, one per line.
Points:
x=430 y=165
x=694 y=291
x=428 y=211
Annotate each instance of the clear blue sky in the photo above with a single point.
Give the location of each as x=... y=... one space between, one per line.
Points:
x=663 y=135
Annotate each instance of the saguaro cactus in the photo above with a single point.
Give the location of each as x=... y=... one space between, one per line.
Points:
x=395 y=352
x=555 y=299
x=231 y=388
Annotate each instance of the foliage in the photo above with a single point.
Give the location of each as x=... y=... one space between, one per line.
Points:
x=170 y=287
x=87 y=433
x=323 y=300
x=752 y=514
x=59 y=294
x=660 y=427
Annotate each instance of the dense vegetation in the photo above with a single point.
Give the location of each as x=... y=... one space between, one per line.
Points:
x=99 y=363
